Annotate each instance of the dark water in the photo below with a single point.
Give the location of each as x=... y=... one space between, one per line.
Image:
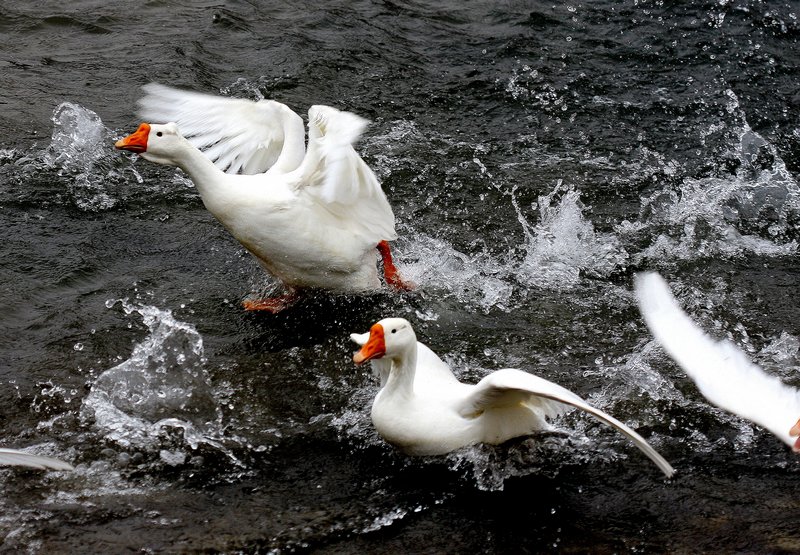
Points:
x=537 y=155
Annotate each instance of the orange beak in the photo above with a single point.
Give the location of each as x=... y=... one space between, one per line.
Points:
x=136 y=142
x=375 y=347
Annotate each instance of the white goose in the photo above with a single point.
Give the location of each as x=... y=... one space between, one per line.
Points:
x=423 y=409
x=13 y=457
x=312 y=219
x=722 y=372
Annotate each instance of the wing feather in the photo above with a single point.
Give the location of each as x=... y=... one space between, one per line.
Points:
x=237 y=134
x=14 y=457
x=342 y=182
x=509 y=386
x=723 y=373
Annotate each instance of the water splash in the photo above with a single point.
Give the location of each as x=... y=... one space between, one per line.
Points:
x=477 y=280
x=754 y=210
x=633 y=376
x=784 y=349
x=163 y=389
x=564 y=245
x=79 y=138
x=79 y=149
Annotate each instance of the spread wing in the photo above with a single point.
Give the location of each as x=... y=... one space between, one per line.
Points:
x=722 y=372
x=13 y=457
x=510 y=387
x=238 y=135
x=339 y=179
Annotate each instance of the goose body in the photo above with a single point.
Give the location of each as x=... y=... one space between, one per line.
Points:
x=313 y=218
x=423 y=409
x=14 y=457
x=723 y=373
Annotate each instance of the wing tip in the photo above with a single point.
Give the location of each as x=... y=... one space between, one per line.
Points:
x=14 y=457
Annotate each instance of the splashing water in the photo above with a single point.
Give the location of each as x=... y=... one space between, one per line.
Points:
x=80 y=149
x=477 y=280
x=163 y=385
x=560 y=249
x=79 y=138
x=564 y=245
x=755 y=210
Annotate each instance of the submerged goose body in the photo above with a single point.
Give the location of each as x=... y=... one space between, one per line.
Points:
x=423 y=409
x=14 y=457
x=723 y=373
x=313 y=218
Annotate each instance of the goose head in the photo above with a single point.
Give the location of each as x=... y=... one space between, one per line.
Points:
x=154 y=142
x=390 y=338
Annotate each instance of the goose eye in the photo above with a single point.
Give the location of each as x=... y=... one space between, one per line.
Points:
x=394 y=331
x=159 y=134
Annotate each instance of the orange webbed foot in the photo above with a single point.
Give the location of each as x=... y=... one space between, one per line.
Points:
x=273 y=305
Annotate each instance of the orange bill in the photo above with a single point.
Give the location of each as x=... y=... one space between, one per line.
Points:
x=375 y=347
x=136 y=142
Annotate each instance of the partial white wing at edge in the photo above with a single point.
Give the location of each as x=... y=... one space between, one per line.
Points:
x=14 y=457
x=722 y=372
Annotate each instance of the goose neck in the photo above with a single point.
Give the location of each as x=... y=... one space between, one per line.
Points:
x=403 y=371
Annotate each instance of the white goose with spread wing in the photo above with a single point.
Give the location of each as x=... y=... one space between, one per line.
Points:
x=722 y=372
x=423 y=409
x=313 y=219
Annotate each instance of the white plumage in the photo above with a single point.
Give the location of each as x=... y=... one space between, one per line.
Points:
x=722 y=372
x=14 y=457
x=423 y=409
x=312 y=218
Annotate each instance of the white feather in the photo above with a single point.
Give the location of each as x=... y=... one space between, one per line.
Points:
x=722 y=372
x=238 y=135
x=14 y=457
x=337 y=175
x=423 y=409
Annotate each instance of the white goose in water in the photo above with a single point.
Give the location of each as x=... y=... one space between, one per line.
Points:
x=313 y=219
x=423 y=409
x=722 y=372
x=13 y=457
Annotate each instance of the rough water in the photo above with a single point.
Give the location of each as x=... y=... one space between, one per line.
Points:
x=537 y=156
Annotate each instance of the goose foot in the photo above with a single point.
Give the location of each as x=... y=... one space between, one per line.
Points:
x=273 y=305
x=390 y=273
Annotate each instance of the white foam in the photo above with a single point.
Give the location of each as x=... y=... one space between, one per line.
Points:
x=564 y=244
x=163 y=387
x=747 y=212
x=477 y=279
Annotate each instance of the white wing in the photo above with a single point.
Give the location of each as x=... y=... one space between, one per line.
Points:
x=508 y=387
x=14 y=457
x=238 y=135
x=722 y=372
x=335 y=174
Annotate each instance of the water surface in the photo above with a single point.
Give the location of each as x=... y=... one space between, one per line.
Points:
x=537 y=155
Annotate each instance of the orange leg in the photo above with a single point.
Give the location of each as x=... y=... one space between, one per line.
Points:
x=390 y=273
x=272 y=305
